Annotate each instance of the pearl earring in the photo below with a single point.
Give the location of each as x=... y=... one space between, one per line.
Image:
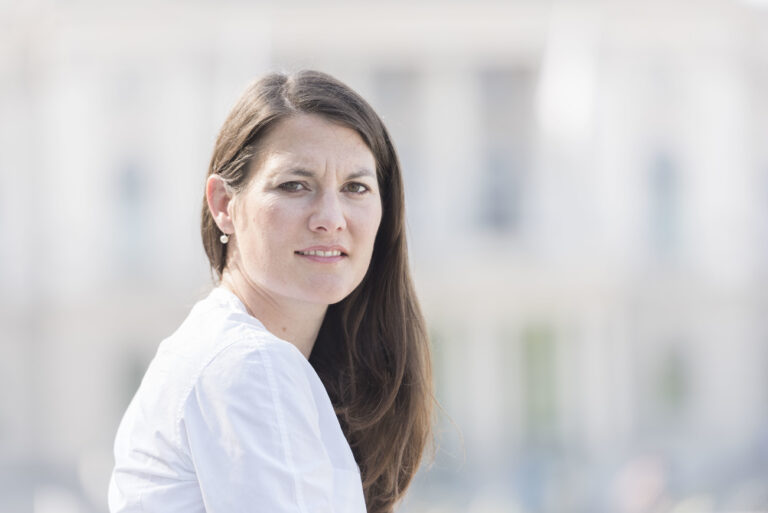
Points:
x=224 y=238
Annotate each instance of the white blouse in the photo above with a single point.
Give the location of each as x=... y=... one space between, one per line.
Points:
x=228 y=419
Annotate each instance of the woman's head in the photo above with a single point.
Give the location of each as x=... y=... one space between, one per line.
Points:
x=304 y=227
x=266 y=105
x=372 y=351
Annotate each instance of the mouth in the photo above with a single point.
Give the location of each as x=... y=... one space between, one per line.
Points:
x=321 y=256
x=319 y=253
x=323 y=253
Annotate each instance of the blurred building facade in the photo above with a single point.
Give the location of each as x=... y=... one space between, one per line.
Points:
x=587 y=196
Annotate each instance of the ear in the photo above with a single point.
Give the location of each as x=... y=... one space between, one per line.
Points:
x=217 y=194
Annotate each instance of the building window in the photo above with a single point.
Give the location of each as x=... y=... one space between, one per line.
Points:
x=397 y=93
x=672 y=383
x=397 y=98
x=764 y=217
x=131 y=218
x=664 y=193
x=539 y=383
x=506 y=97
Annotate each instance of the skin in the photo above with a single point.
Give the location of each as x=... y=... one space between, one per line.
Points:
x=313 y=184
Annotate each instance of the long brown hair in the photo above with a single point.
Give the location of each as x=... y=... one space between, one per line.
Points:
x=372 y=352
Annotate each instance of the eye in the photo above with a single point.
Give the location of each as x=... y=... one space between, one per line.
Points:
x=356 y=188
x=292 y=186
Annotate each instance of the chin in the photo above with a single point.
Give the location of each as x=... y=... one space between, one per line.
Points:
x=331 y=298
x=329 y=294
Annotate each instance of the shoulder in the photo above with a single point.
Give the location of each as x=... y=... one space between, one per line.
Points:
x=223 y=356
x=219 y=334
x=240 y=345
x=254 y=354
x=250 y=365
x=258 y=385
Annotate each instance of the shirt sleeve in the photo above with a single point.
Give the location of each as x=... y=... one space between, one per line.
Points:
x=254 y=436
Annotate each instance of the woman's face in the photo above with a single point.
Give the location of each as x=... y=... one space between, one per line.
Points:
x=305 y=224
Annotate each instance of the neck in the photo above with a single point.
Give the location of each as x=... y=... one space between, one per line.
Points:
x=296 y=322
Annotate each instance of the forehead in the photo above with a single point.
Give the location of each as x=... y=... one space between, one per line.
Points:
x=311 y=140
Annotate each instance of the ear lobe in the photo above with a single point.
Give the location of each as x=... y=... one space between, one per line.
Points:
x=218 y=196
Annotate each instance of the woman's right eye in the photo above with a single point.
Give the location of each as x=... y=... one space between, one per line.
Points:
x=291 y=186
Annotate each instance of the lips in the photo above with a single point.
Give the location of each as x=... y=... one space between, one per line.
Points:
x=323 y=251
x=320 y=253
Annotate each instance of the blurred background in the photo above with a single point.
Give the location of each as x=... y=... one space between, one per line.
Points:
x=587 y=199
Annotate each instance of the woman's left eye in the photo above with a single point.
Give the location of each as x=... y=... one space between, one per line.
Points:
x=291 y=186
x=356 y=187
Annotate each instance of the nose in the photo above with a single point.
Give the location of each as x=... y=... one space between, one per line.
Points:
x=327 y=214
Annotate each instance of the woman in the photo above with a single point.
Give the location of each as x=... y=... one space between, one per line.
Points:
x=303 y=381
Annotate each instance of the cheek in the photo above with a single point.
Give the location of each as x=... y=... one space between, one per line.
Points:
x=376 y=219
x=267 y=215
x=262 y=227
x=273 y=224
x=368 y=224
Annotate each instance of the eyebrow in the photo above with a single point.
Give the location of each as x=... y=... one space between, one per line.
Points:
x=357 y=174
